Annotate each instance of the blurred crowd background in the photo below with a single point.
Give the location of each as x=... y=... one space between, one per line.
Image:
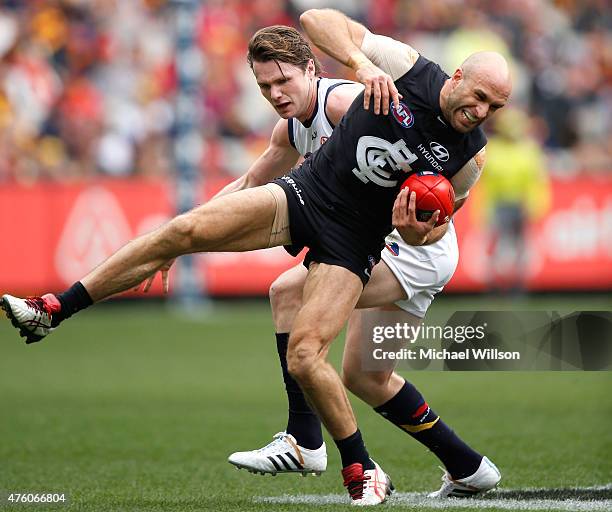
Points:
x=87 y=86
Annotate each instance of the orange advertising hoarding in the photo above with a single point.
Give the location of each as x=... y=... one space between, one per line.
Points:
x=53 y=234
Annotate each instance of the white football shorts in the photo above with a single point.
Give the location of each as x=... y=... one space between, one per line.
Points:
x=422 y=271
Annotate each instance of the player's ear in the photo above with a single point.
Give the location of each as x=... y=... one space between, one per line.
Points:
x=457 y=76
x=310 y=68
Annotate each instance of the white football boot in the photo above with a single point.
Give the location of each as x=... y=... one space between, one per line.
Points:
x=487 y=477
x=282 y=455
x=32 y=316
x=369 y=487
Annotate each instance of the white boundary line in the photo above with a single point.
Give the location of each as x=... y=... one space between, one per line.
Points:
x=493 y=500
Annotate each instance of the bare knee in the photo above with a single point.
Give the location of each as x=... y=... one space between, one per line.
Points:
x=285 y=300
x=304 y=357
x=178 y=235
x=285 y=295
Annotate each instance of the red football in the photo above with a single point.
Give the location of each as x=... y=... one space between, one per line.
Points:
x=433 y=192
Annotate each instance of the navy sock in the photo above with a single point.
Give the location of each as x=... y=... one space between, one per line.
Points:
x=352 y=449
x=303 y=422
x=410 y=412
x=72 y=300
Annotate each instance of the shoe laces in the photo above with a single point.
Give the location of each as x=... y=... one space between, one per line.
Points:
x=355 y=480
x=39 y=304
x=448 y=484
x=447 y=481
x=278 y=439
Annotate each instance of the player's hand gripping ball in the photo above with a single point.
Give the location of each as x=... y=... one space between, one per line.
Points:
x=433 y=192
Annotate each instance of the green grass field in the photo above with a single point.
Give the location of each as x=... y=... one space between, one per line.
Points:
x=137 y=408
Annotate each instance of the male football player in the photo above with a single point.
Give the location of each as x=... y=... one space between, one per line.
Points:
x=339 y=203
x=310 y=107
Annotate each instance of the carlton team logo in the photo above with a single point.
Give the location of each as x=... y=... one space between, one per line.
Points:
x=402 y=114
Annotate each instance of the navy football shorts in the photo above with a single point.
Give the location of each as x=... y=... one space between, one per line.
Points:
x=329 y=238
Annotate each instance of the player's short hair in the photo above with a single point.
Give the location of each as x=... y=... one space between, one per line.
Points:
x=282 y=44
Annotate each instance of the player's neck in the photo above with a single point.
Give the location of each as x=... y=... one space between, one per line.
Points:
x=312 y=102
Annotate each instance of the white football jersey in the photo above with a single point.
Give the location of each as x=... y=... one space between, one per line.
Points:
x=309 y=137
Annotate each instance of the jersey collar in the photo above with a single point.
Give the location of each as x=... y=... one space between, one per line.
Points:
x=315 y=110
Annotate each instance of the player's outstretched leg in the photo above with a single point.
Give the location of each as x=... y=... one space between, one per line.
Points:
x=300 y=447
x=467 y=472
x=240 y=221
x=330 y=294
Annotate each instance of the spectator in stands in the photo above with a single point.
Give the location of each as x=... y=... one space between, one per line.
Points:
x=88 y=87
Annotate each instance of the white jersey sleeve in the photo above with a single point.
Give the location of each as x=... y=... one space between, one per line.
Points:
x=390 y=55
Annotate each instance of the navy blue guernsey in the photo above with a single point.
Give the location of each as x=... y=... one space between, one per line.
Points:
x=357 y=173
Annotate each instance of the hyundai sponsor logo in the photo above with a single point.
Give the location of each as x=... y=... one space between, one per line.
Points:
x=439 y=151
x=430 y=158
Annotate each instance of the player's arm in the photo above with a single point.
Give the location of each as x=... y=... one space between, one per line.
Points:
x=404 y=219
x=462 y=182
x=279 y=157
x=377 y=60
x=467 y=177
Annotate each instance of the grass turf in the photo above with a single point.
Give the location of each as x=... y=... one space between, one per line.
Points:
x=136 y=408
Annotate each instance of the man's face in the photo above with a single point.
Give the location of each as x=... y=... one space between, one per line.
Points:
x=287 y=87
x=472 y=100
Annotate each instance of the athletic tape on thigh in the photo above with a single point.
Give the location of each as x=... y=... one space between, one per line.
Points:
x=280 y=234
